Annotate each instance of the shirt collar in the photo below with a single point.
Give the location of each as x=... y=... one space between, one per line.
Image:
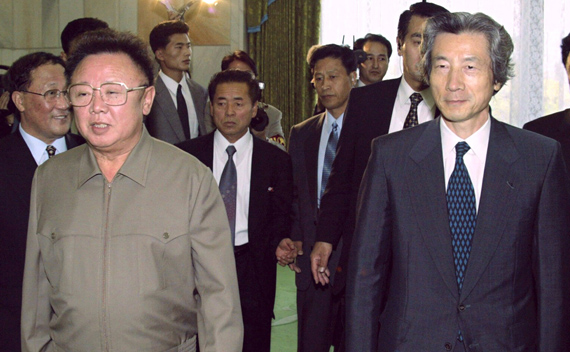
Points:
x=135 y=167
x=329 y=120
x=404 y=92
x=38 y=147
x=171 y=84
x=478 y=141
x=241 y=145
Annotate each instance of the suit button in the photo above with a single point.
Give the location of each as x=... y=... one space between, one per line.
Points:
x=461 y=308
x=53 y=235
x=447 y=346
x=165 y=235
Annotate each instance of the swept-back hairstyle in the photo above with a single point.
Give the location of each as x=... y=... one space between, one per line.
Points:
x=19 y=75
x=239 y=55
x=421 y=9
x=235 y=76
x=370 y=37
x=110 y=41
x=344 y=53
x=160 y=35
x=499 y=41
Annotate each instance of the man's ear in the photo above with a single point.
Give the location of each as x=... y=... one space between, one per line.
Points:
x=18 y=99
x=159 y=54
x=399 y=43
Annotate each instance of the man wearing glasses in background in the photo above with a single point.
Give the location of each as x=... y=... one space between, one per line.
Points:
x=36 y=82
x=126 y=229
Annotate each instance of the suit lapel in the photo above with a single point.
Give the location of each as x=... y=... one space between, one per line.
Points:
x=258 y=175
x=497 y=196
x=312 y=143
x=427 y=193
x=165 y=102
x=21 y=167
x=199 y=106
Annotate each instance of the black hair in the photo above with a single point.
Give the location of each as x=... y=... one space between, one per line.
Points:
x=359 y=44
x=160 y=35
x=344 y=53
x=235 y=76
x=76 y=28
x=239 y=55
x=421 y=9
x=19 y=75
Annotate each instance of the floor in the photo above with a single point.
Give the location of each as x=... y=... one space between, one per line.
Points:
x=284 y=330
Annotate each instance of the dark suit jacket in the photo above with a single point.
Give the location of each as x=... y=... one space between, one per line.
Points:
x=402 y=292
x=304 y=141
x=270 y=198
x=555 y=126
x=163 y=122
x=368 y=116
x=17 y=167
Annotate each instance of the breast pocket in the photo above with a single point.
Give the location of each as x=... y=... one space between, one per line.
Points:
x=60 y=253
x=164 y=260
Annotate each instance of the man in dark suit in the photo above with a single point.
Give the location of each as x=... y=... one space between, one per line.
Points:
x=374 y=110
x=178 y=111
x=557 y=125
x=36 y=82
x=312 y=146
x=256 y=183
x=462 y=233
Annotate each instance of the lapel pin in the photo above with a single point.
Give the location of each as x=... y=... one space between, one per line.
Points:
x=270 y=189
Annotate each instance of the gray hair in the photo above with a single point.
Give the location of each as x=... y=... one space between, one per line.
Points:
x=500 y=42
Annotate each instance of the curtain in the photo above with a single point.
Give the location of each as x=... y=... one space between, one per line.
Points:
x=540 y=86
x=280 y=32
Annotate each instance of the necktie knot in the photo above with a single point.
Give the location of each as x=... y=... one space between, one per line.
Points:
x=416 y=98
x=460 y=149
x=334 y=127
x=50 y=149
x=231 y=150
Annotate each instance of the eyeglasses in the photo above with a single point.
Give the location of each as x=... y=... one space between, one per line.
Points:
x=112 y=93
x=50 y=96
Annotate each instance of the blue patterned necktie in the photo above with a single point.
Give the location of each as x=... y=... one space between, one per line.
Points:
x=228 y=189
x=462 y=211
x=330 y=153
x=412 y=118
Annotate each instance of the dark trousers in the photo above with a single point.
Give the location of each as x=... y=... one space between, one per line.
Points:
x=256 y=311
x=320 y=319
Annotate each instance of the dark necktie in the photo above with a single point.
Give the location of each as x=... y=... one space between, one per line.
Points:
x=330 y=153
x=228 y=189
x=50 y=149
x=183 y=112
x=462 y=211
x=412 y=118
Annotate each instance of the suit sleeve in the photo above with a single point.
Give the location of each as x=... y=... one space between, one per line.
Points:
x=335 y=203
x=282 y=200
x=369 y=258
x=296 y=232
x=36 y=308
x=553 y=262
x=220 y=324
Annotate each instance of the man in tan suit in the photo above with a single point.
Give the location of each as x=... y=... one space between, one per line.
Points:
x=125 y=229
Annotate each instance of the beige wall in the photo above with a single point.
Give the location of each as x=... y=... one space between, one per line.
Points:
x=35 y=25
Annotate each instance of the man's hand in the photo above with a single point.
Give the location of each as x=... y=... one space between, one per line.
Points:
x=319 y=260
x=299 y=247
x=286 y=252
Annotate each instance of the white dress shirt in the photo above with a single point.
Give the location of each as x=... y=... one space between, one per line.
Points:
x=325 y=133
x=474 y=159
x=242 y=159
x=426 y=108
x=172 y=87
x=38 y=148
